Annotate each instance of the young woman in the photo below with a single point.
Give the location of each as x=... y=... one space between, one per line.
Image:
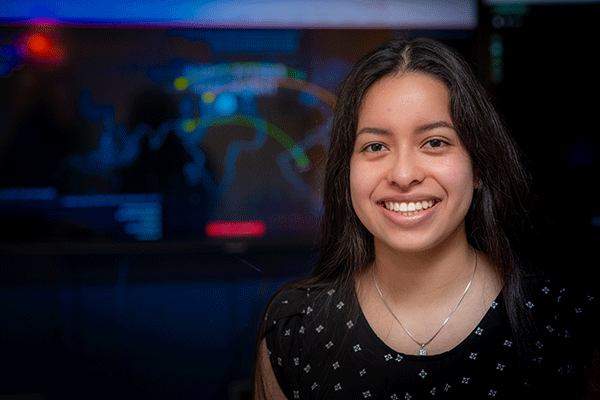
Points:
x=421 y=289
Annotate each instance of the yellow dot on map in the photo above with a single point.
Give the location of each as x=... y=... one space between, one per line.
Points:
x=181 y=83
x=188 y=125
x=208 y=97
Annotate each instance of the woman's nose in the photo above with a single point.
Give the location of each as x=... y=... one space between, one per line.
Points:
x=405 y=169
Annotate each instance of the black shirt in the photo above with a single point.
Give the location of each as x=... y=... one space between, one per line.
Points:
x=319 y=350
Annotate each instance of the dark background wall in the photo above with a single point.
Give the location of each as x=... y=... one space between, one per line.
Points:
x=541 y=74
x=166 y=325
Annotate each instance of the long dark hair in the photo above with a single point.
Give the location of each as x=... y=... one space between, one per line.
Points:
x=498 y=218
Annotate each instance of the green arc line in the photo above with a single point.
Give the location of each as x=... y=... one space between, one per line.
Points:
x=252 y=122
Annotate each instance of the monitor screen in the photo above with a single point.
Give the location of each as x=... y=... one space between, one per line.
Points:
x=168 y=133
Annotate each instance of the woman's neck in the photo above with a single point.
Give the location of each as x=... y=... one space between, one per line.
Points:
x=426 y=276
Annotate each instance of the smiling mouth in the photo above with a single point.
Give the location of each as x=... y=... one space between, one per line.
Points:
x=409 y=208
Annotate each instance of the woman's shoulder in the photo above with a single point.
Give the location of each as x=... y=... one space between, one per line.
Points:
x=559 y=292
x=294 y=303
x=563 y=303
x=288 y=302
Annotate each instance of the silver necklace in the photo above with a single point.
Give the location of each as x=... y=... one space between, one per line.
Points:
x=423 y=350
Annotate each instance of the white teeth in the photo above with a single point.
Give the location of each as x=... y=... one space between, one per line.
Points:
x=409 y=208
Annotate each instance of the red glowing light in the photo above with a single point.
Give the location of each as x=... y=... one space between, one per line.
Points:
x=43 y=48
x=234 y=229
x=39 y=43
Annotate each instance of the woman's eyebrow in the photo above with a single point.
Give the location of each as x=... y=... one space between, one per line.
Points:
x=377 y=131
x=434 y=125
x=420 y=129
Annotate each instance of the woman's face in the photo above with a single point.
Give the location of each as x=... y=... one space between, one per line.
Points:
x=411 y=179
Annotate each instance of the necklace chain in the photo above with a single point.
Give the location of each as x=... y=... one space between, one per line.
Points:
x=423 y=350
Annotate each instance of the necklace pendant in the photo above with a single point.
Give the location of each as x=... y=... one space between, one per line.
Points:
x=423 y=350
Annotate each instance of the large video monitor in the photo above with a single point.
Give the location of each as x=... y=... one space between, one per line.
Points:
x=112 y=134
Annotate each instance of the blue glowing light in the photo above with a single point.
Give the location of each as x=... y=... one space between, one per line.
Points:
x=394 y=14
x=24 y=194
x=226 y=104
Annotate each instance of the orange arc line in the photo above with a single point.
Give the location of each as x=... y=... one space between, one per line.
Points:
x=304 y=86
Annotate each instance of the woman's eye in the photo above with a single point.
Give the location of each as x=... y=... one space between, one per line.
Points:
x=374 y=147
x=435 y=143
